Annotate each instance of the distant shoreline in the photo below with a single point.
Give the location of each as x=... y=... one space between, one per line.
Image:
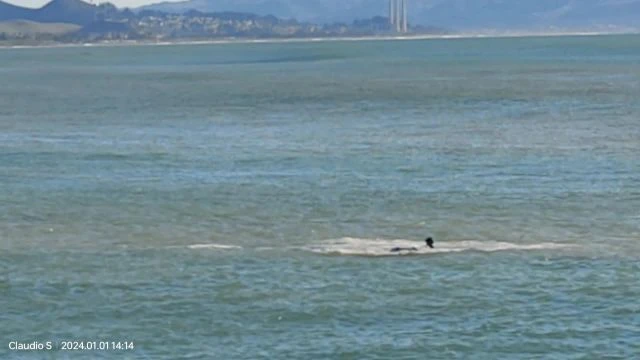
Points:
x=223 y=41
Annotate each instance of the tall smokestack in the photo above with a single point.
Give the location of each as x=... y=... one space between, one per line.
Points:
x=398 y=15
x=392 y=12
x=404 y=16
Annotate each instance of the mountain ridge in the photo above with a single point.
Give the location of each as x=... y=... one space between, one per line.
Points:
x=12 y=12
x=106 y=22
x=57 y=11
x=459 y=14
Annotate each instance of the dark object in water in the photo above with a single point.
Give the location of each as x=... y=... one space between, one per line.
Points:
x=429 y=242
x=398 y=249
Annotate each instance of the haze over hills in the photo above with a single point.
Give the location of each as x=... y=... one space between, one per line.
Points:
x=457 y=14
x=34 y=28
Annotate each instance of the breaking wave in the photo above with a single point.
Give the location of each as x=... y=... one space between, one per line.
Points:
x=214 y=246
x=380 y=247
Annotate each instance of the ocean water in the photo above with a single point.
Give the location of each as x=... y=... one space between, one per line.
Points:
x=239 y=201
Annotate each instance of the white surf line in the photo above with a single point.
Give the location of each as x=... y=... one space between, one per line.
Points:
x=377 y=247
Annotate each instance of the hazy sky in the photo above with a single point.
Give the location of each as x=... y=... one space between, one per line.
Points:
x=119 y=3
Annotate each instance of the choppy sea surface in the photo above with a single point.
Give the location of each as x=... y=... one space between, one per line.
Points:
x=240 y=201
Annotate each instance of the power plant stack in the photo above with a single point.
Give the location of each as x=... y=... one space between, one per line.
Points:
x=398 y=15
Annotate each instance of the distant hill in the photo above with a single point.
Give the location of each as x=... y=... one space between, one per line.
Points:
x=450 y=14
x=458 y=14
x=57 y=11
x=12 y=12
x=69 y=11
x=105 y=22
x=320 y=11
x=535 y=14
x=65 y=20
x=101 y=27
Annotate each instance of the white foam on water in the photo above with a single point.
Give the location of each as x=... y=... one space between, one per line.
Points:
x=381 y=247
x=214 y=246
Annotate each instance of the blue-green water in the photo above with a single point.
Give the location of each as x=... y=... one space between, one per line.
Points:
x=239 y=201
